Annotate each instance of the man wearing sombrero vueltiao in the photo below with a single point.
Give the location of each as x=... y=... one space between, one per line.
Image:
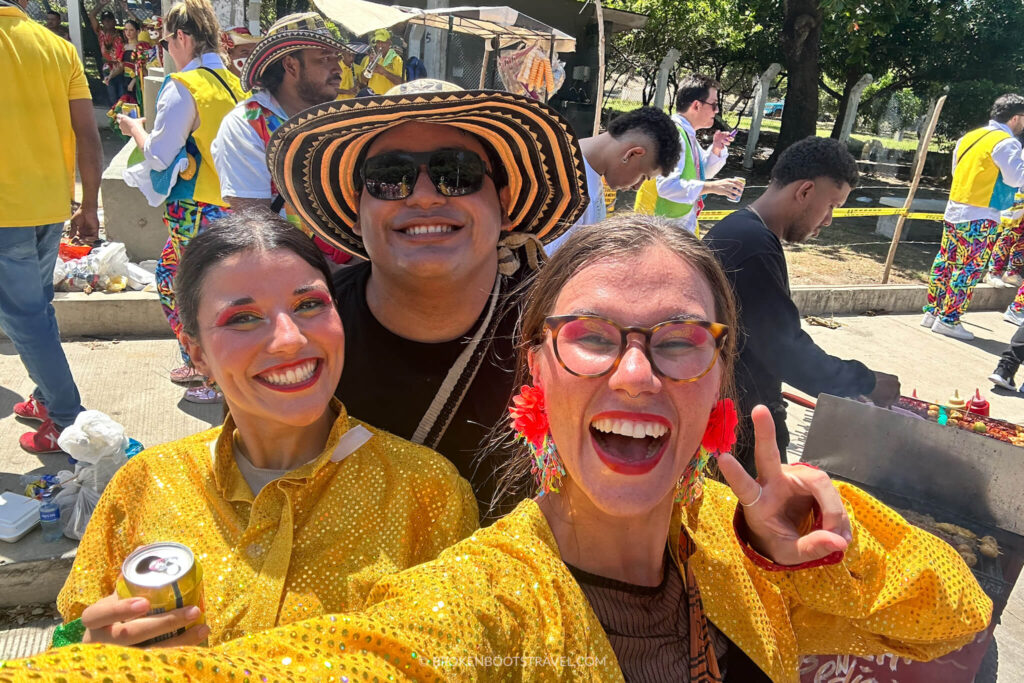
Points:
x=449 y=194
x=294 y=67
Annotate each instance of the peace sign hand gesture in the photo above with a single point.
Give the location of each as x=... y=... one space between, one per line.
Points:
x=779 y=503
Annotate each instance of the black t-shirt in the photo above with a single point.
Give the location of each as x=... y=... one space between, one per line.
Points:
x=773 y=347
x=390 y=381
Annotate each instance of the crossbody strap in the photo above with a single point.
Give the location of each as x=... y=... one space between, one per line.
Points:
x=216 y=75
x=962 y=154
x=460 y=376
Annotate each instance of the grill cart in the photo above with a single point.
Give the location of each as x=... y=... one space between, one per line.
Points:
x=958 y=481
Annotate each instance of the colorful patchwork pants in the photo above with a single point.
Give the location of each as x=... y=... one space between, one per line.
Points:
x=185 y=219
x=1009 y=250
x=964 y=252
x=1018 y=301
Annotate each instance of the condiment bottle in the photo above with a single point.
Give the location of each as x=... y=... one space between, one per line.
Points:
x=978 y=405
x=955 y=402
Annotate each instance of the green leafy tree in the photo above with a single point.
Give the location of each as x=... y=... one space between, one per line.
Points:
x=890 y=39
x=712 y=36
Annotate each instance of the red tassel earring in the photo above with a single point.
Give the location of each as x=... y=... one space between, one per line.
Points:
x=530 y=423
x=719 y=437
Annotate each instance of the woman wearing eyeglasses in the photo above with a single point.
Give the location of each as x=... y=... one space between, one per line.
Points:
x=629 y=563
x=178 y=168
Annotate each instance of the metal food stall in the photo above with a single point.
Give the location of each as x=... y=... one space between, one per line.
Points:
x=497 y=27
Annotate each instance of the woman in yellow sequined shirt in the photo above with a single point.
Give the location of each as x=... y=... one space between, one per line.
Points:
x=627 y=335
x=292 y=507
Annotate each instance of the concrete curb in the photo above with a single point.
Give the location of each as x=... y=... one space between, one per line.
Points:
x=30 y=639
x=115 y=316
x=35 y=580
x=138 y=314
x=855 y=299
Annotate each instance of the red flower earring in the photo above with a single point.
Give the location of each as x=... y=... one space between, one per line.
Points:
x=719 y=437
x=530 y=422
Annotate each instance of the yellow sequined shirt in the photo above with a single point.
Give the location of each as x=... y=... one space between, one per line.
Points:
x=501 y=605
x=311 y=542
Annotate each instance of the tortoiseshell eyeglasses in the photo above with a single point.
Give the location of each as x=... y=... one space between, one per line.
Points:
x=591 y=346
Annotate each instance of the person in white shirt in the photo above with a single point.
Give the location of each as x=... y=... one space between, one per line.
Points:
x=987 y=170
x=679 y=194
x=638 y=145
x=293 y=68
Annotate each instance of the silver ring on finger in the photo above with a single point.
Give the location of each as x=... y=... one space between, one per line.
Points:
x=760 y=490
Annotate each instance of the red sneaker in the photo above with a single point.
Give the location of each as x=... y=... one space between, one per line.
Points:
x=31 y=410
x=43 y=440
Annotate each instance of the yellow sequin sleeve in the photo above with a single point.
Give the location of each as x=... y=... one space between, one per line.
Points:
x=898 y=589
x=314 y=541
x=112 y=533
x=501 y=605
x=497 y=606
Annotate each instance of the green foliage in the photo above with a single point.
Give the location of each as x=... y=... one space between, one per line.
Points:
x=272 y=10
x=723 y=38
x=968 y=105
x=913 y=48
x=882 y=36
x=898 y=110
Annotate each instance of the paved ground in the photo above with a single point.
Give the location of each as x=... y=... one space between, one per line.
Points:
x=127 y=379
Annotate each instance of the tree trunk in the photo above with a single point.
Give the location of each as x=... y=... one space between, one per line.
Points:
x=801 y=35
x=851 y=80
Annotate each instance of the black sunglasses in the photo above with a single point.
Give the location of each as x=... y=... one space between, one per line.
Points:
x=163 y=41
x=391 y=176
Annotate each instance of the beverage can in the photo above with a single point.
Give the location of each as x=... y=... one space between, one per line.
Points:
x=169 y=576
x=743 y=182
x=130 y=110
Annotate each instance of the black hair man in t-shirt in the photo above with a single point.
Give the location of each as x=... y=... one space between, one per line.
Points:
x=448 y=194
x=810 y=180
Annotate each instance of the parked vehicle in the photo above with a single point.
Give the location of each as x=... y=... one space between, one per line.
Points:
x=774 y=109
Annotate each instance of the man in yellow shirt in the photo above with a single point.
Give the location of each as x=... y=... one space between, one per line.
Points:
x=47 y=109
x=351 y=73
x=382 y=68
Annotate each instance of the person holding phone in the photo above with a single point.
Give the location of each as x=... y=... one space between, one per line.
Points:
x=679 y=195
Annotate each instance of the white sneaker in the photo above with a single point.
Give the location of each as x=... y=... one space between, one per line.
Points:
x=956 y=331
x=928 y=320
x=1012 y=316
x=1012 y=280
x=995 y=280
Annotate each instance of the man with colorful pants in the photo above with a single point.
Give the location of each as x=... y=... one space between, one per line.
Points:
x=1008 y=255
x=987 y=170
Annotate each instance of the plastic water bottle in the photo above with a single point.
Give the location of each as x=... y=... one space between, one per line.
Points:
x=49 y=518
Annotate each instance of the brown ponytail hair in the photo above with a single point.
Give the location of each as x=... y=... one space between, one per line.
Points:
x=197 y=19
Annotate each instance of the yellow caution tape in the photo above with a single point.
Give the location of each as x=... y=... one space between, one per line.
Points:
x=841 y=213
